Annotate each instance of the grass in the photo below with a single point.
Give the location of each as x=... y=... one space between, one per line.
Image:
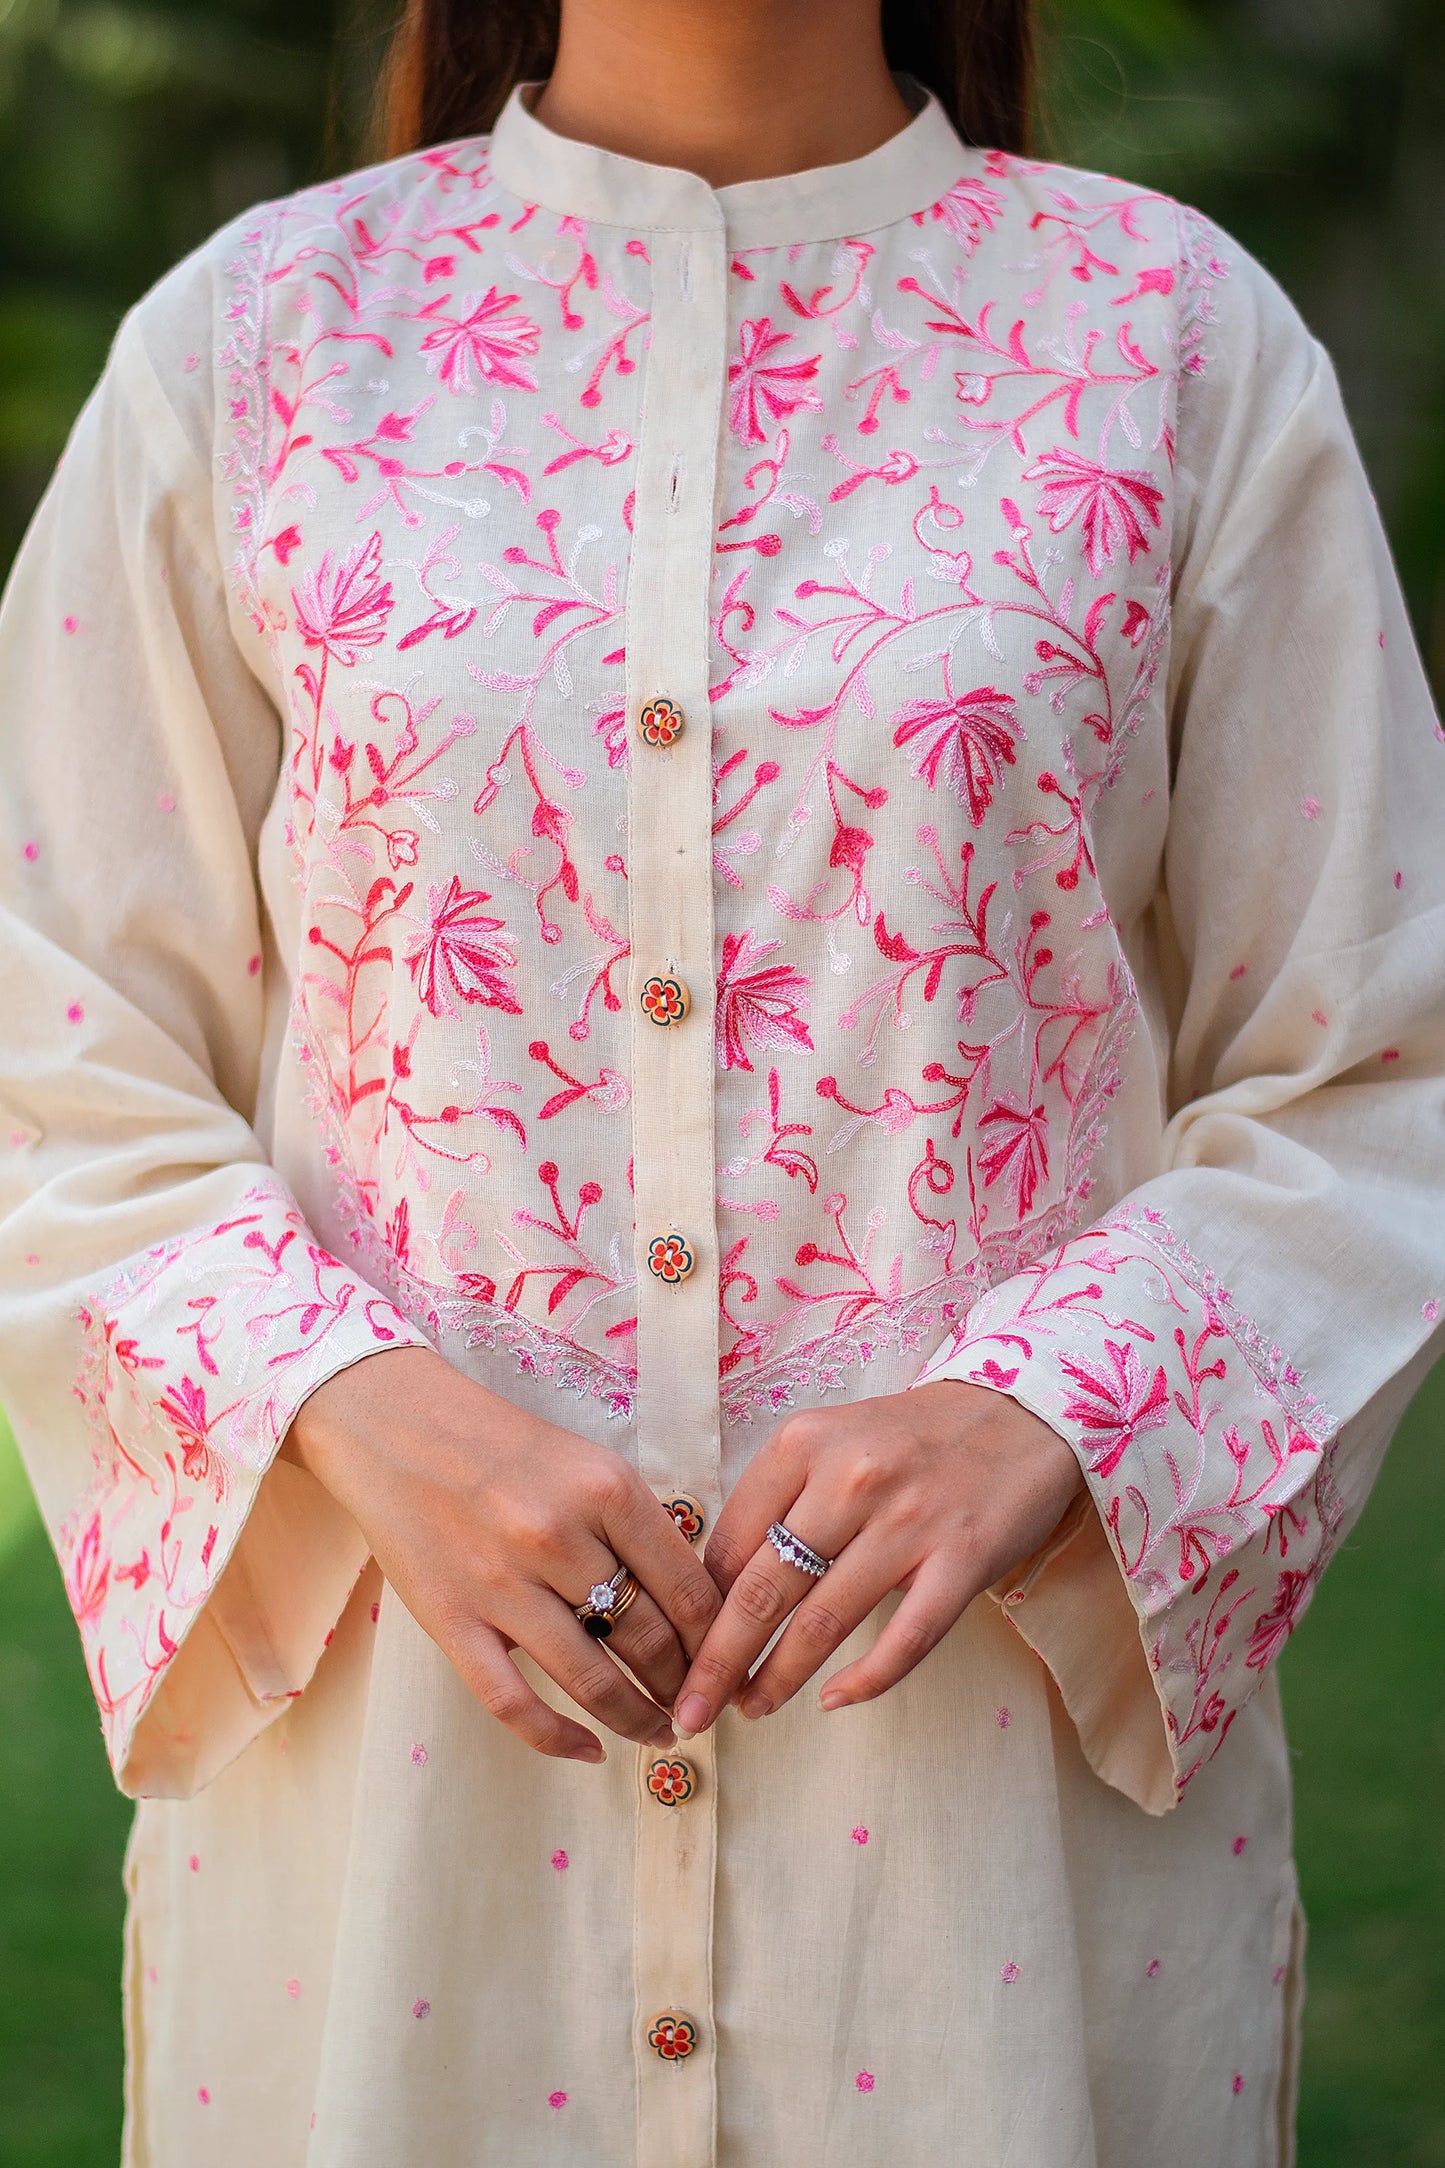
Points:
x=1367 y=1721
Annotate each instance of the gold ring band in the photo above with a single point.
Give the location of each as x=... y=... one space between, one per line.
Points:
x=606 y=1603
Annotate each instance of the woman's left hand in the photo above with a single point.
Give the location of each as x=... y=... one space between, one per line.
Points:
x=937 y=1491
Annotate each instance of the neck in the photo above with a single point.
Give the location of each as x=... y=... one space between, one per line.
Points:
x=734 y=90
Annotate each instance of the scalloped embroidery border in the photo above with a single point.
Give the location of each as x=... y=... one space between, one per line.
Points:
x=1271 y=1366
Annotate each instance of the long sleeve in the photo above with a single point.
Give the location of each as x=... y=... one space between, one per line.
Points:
x=164 y=1308
x=1228 y=1348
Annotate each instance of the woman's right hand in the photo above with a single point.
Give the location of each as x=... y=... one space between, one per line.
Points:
x=491 y=1524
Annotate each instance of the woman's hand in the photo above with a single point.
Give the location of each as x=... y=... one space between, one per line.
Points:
x=491 y=1525
x=937 y=1491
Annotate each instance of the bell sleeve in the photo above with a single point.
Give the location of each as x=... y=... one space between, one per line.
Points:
x=1228 y=1349
x=164 y=1306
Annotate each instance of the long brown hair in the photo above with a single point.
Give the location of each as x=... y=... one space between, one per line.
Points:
x=452 y=64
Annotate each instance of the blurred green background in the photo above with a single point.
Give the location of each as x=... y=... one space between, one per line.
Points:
x=1312 y=130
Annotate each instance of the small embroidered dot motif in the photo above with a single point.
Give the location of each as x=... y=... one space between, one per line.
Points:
x=1430 y=1311
x=687 y=1513
x=559 y=1861
x=1238 y=2082
x=293 y=1989
x=1003 y=1720
x=672 y=2036
x=420 y=2008
x=670 y=1258
x=660 y=723
x=556 y=2100
x=1152 y=1969
x=665 y=1001
x=864 y=2081
x=670 y=1782
x=195 y=1863
x=418 y=1755
x=860 y=1835
x=1239 y=1845
x=1008 y=1973
x=203 y=2095
x=1276 y=1978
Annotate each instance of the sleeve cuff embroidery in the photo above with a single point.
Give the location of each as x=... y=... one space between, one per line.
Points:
x=1205 y=1454
x=196 y=1356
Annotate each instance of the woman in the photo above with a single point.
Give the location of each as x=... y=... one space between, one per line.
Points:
x=726 y=915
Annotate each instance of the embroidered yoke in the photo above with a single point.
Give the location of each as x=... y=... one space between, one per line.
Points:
x=713 y=802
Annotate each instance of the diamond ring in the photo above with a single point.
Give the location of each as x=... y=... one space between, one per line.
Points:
x=794 y=1552
x=606 y=1602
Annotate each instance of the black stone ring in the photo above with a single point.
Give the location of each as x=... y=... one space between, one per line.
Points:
x=606 y=1602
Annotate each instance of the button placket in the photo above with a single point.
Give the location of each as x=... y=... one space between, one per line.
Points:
x=672 y=977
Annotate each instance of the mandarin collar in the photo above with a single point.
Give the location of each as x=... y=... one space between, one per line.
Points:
x=905 y=175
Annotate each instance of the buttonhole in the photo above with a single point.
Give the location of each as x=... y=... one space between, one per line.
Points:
x=684 y=273
x=674 y=484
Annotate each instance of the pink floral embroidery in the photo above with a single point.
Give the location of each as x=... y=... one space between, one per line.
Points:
x=1009 y=1972
x=864 y=2082
x=195 y=1357
x=419 y=1755
x=556 y=2100
x=1238 y=2083
x=766 y=382
x=759 y=1007
x=293 y=1989
x=421 y=2008
x=482 y=336
x=203 y=2095
x=1112 y=506
x=964 y=742
x=1153 y=1969
x=860 y=1835
x=559 y=1861
x=1208 y=1458
x=343 y=608
x=1003 y=1719
x=460 y=955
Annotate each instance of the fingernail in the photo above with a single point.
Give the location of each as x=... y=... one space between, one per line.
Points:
x=691 y=1715
x=755 y=1704
x=663 y=1736
x=827 y=1700
x=593 y=1753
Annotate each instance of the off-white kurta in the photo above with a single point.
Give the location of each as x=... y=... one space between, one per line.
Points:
x=1051 y=852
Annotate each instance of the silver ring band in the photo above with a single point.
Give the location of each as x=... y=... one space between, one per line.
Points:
x=794 y=1552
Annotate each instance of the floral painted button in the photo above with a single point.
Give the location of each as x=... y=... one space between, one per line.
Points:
x=670 y=1258
x=670 y=1782
x=664 y=1000
x=672 y=2036
x=687 y=1512
x=660 y=723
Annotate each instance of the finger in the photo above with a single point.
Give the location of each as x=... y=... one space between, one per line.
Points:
x=644 y=1640
x=766 y=1491
x=582 y=1667
x=641 y=1531
x=935 y=1602
x=832 y=1608
x=484 y=1664
x=757 y=1603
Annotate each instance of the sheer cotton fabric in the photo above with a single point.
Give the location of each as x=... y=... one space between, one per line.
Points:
x=1050 y=855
